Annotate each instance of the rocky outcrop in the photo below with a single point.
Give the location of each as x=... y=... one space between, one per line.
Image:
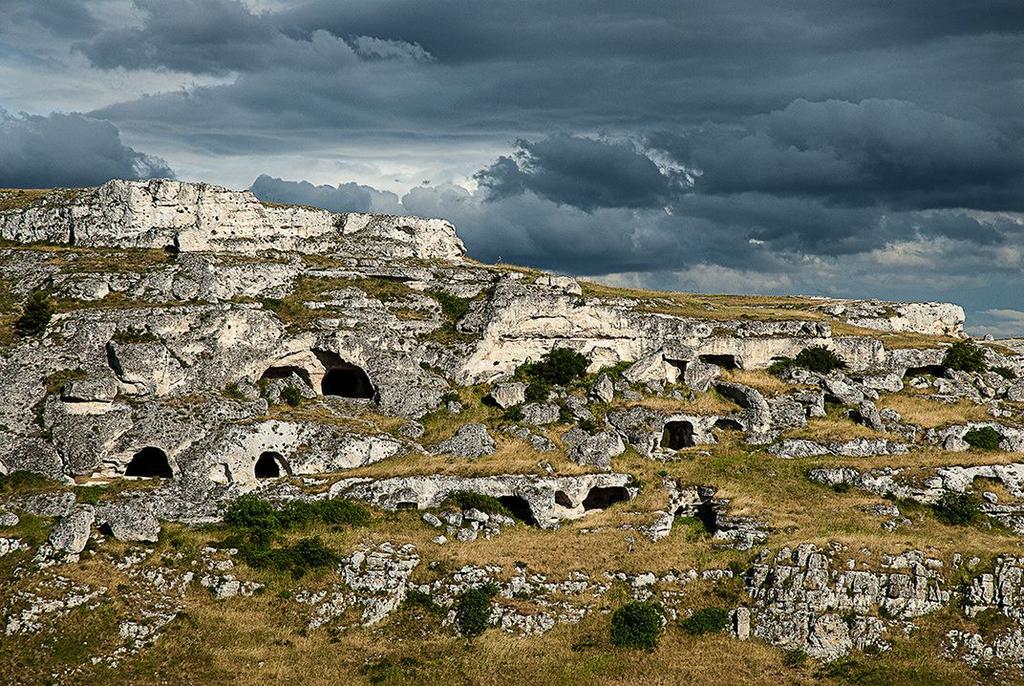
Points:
x=544 y=501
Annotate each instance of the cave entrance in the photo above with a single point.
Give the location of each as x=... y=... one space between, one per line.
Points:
x=680 y=369
x=926 y=370
x=562 y=498
x=270 y=465
x=344 y=380
x=519 y=508
x=677 y=435
x=285 y=372
x=723 y=361
x=728 y=425
x=601 y=497
x=149 y=463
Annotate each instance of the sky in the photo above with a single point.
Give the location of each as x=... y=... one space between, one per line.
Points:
x=844 y=148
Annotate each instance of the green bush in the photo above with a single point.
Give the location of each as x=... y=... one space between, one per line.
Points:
x=417 y=598
x=560 y=366
x=514 y=413
x=781 y=365
x=985 y=438
x=537 y=392
x=292 y=396
x=297 y=559
x=453 y=307
x=468 y=500
x=19 y=482
x=794 y=658
x=35 y=315
x=637 y=625
x=957 y=508
x=473 y=610
x=451 y=397
x=818 y=358
x=1005 y=372
x=259 y=522
x=964 y=356
x=709 y=620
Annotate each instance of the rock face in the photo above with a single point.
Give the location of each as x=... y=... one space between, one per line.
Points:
x=206 y=345
x=544 y=501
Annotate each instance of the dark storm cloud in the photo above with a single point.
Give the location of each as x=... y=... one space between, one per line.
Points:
x=769 y=139
x=65 y=18
x=875 y=151
x=68 y=150
x=346 y=197
x=582 y=172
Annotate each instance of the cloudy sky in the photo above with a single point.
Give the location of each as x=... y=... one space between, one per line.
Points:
x=838 y=147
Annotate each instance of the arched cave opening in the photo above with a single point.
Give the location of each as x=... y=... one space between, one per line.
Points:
x=149 y=463
x=600 y=497
x=270 y=465
x=723 y=361
x=347 y=381
x=519 y=508
x=562 y=498
x=676 y=435
x=285 y=372
x=725 y=424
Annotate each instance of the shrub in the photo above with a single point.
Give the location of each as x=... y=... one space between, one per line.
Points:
x=254 y=517
x=297 y=559
x=514 y=413
x=453 y=307
x=537 y=392
x=985 y=438
x=637 y=625
x=780 y=366
x=818 y=358
x=957 y=508
x=35 y=315
x=794 y=658
x=451 y=397
x=417 y=598
x=1005 y=372
x=292 y=396
x=561 y=366
x=473 y=610
x=709 y=620
x=24 y=482
x=301 y=513
x=468 y=500
x=964 y=356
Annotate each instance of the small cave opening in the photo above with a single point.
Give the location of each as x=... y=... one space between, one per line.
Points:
x=734 y=394
x=677 y=435
x=270 y=465
x=708 y=516
x=725 y=424
x=149 y=463
x=348 y=381
x=285 y=372
x=723 y=361
x=926 y=370
x=519 y=508
x=406 y=505
x=601 y=497
x=561 y=498
x=680 y=367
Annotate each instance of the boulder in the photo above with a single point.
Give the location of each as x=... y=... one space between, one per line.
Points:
x=471 y=440
x=130 y=521
x=506 y=395
x=71 y=533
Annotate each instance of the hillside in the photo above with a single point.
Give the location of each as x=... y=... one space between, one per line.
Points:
x=252 y=443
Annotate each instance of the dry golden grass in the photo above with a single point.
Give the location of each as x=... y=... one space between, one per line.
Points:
x=761 y=380
x=834 y=427
x=20 y=198
x=928 y=413
x=709 y=403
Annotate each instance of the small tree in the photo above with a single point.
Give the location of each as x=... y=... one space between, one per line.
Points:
x=985 y=438
x=957 y=508
x=818 y=358
x=637 y=625
x=964 y=356
x=709 y=620
x=473 y=610
x=35 y=315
